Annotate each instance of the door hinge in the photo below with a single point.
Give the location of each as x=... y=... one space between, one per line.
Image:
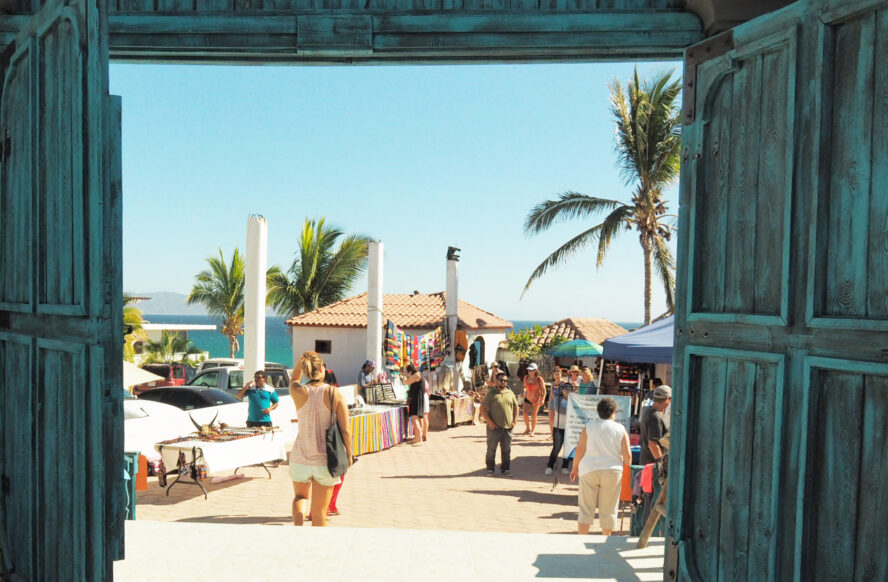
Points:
x=694 y=55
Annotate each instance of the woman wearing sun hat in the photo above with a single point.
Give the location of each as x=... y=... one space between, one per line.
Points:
x=534 y=394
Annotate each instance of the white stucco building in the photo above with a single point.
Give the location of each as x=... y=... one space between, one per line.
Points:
x=338 y=332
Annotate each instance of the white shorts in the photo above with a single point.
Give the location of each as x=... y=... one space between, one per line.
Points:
x=320 y=473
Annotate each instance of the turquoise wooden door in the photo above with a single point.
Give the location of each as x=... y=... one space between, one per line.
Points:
x=779 y=464
x=61 y=481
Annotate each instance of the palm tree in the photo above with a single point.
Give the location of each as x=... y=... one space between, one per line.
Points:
x=169 y=346
x=221 y=290
x=132 y=322
x=321 y=273
x=648 y=148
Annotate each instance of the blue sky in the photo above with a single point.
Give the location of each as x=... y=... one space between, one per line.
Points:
x=421 y=158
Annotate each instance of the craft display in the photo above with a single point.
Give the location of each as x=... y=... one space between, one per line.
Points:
x=426 y=352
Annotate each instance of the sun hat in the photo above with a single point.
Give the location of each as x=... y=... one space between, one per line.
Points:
x=532 y=367
x=494 y=364
x=662 y=392
x=370 y=363
x=575 y=369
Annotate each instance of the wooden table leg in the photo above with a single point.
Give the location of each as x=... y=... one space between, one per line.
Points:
x=658 y=510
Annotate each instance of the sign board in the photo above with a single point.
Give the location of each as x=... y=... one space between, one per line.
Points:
x=584 y=407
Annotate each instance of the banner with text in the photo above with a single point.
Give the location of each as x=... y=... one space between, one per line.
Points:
x=584 y=407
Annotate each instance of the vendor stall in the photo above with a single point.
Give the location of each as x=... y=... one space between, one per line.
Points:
x=650 y=344
x=379 y=427
x=197 y=456
x=450 y=409
x=463 y=410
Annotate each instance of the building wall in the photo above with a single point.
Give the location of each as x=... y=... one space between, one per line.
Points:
x=348 y=346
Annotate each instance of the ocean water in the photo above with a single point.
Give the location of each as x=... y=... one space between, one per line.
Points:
x=277 y=335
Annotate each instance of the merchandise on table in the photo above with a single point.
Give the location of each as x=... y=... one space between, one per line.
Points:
x=460 y=406
x=376 y=428
x=198 y=456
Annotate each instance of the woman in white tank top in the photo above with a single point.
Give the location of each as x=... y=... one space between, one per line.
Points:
x=602 y=450
x=308 y=459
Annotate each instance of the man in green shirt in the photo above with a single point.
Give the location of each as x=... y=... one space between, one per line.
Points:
x=499 y=410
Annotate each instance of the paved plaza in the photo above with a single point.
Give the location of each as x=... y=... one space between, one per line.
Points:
x=417 y=498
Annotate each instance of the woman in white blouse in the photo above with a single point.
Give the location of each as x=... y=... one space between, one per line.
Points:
x=602 y=450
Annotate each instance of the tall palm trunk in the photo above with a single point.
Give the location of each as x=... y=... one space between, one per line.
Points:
x=646 y=249
x=233 y=346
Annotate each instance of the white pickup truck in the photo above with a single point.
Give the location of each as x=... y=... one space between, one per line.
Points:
x=231 y=379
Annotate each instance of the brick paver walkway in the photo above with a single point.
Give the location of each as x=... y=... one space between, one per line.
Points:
x=440 y=484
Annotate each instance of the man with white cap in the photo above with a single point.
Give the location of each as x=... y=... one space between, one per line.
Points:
x=653 y=425
x=654 y=430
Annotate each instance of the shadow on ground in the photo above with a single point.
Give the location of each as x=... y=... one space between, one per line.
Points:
x=185 y=490
x=610 y=551
x=240 y=519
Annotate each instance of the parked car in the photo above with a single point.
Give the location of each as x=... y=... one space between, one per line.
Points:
x=221 y=363
x=234 y=363
x=146 y=422
x=231 y=379
x=172 y=374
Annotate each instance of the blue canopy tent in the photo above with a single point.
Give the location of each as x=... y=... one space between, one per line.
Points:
x=651 y=344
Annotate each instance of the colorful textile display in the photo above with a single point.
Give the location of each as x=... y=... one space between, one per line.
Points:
x=423 y=351
x=382 y=429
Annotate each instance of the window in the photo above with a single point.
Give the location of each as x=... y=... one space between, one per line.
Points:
x=277 y=378
x=236 y=380
x=208 y=379
x=324 y=346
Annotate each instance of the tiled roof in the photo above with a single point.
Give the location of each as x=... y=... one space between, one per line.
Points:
x=593 y=329
x=407 y=311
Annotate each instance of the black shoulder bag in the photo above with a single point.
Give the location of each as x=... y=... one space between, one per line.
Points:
x=337 y=454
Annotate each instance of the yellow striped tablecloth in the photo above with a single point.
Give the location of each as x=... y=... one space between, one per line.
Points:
x=378 y=430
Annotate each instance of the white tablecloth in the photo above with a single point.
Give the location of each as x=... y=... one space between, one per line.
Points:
x=219 y=457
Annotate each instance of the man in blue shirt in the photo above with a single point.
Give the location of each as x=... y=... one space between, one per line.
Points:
x=262 y=398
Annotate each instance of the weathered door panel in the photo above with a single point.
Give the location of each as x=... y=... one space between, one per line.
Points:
x=846 y=472
x=782 y=319
x=60 y=308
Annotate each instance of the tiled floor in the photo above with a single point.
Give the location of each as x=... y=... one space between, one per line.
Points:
x=173 y=552
x=439 y=488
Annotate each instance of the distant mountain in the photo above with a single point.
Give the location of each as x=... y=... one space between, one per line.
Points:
x=167 y=303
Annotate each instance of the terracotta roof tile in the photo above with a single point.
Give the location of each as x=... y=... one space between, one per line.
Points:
x=593 y=329
x=407 y=311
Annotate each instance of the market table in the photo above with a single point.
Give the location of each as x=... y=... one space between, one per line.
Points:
x=378 y=427
x=204 y=456
x=463 y=410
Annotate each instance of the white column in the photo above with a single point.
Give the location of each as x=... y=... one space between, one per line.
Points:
x=451 y=306
x=256 y=264
x=374 y=303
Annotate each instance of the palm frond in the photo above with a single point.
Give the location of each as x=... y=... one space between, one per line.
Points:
x=616 y=221
x=562 y=253
x=568 y=205
x=324 y=268
x=664 y=263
